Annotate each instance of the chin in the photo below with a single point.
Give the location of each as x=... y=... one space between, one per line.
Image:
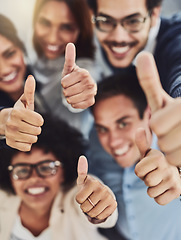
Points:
x=119 y=63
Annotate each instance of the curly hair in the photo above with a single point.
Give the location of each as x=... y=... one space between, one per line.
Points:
x=57 y=137
x=149 y=3
x=8 y=30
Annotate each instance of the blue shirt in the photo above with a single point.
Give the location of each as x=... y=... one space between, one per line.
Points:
x=140 y=217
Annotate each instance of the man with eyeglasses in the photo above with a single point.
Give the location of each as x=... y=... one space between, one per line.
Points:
x=124 y=28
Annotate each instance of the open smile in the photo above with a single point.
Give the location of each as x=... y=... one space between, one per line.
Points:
x=10 y=77
x=121 y=151
x=120 y=50
x=36 y=191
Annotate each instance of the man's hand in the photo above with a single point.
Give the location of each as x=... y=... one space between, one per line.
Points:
x=23 y=124
x=166 y=111
x=79 y=88
x=161 y=178
x=95 y=199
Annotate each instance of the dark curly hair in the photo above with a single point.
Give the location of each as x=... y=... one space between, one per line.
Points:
x=125 y=83
x=150 y=4
x=57 y=137
x=8 y=30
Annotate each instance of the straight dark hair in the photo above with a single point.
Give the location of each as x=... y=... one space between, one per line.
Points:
x=125 y=83
x=8 y=30
x=80 y=10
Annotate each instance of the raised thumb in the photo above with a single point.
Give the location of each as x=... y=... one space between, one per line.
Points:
x=82 y=170
x=142 y=141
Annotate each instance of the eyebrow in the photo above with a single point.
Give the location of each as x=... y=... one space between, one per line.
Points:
x=127 y=17
x=122 y=119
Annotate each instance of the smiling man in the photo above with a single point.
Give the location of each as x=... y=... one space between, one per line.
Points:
x=124 y=28
x=120 y=109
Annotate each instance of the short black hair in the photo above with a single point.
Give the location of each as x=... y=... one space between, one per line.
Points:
x=125 y=83
x=57 y=137
x=150 y=4
x=8 y=30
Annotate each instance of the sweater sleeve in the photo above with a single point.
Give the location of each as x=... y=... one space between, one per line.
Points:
x=168 y=56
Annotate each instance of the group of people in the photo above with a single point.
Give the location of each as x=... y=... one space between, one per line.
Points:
x=82 y=92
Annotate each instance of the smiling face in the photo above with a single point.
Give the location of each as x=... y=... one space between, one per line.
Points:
x=37 y=193
x=12 y=67
x=116 y=120
x=120 y=46
x=54 y=28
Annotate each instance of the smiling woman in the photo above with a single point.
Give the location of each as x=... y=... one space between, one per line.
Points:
x=12 y=66
x=59 y=22
x=55 y=24
x=38 y=190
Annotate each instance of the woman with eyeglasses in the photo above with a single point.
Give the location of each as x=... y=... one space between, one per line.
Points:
x=38 y=190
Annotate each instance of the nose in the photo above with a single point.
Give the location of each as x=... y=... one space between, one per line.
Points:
x=53 y=36
x=120 y=34
x=115 y=139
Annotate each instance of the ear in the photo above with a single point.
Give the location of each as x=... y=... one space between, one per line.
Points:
x=155 y=15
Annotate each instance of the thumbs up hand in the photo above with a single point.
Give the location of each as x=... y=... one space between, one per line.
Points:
x=78 y=86
x=161 y=178
x=166 y=111
x=23 y=124
x=95 y=199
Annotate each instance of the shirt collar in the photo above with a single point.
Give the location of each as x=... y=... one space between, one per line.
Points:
x=152 y=37
x=151 y=43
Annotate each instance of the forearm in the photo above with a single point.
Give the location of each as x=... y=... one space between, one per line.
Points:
x=4 y=114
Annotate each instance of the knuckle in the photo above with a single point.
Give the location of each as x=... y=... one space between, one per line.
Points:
x=10 y=125
x=160 y=201
x=10 y=137
x=85 y=74
x=150 y=193
x=91 y=214
x=34 y=139
x=78 y=199
x=148 y=180
x=15 y=112
x=138 y=171
x=89 y=102
x=39 y=130
x=9 y=142
x=26 y=147
x=160 y=160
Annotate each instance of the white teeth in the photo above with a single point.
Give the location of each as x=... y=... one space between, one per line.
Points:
x=53 y=48
x=9 y=77
x=35 y=191
x=121 y=151
x=120 y=50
